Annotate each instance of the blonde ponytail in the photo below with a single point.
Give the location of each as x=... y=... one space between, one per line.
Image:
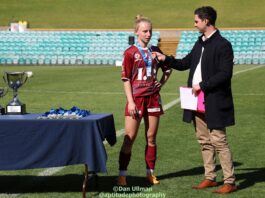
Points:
x=140 y=18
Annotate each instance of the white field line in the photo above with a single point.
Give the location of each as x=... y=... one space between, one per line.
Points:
x=52 y=171
x=122 y=93
x=248 y=94
x=174 y=102
x=165 y=107
x=73 y=92
x=2 y=195
x=115 y=93
x=249 y=69
x=83 y=92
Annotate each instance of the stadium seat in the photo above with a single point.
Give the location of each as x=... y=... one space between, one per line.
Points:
x=245 y=43
x=42 y=47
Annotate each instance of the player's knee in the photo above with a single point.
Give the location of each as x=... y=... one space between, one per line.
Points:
x=151 y=141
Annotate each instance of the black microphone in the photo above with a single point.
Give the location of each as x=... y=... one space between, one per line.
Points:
x=149 y=46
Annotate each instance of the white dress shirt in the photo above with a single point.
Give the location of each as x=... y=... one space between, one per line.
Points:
x=197 y=77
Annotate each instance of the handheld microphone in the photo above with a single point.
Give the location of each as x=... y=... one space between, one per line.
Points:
x=149 y=46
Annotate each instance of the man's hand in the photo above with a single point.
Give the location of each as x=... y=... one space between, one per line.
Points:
x=159 y=56
x=196 y=89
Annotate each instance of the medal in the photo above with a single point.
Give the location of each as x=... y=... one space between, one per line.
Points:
x=149 y=78
x=148 y=63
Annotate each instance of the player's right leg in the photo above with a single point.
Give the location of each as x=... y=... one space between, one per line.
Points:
x=131 y=130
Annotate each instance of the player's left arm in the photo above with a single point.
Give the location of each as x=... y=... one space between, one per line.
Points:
x=164 y=78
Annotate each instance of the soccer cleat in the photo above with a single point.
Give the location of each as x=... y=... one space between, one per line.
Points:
x=152 y=179
x=121 y=181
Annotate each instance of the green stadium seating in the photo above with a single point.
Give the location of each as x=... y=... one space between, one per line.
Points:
x=248 y=45
x=65 y=47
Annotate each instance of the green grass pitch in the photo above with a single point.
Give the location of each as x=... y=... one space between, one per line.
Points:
x=179 y=164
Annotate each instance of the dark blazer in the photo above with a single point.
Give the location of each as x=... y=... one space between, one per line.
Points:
x=217 y=71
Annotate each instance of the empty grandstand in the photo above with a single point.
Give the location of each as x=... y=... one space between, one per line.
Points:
x=248 y=45
x=65 y=47
x=107 y=47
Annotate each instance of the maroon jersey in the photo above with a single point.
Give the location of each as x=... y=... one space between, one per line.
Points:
x=134 y=70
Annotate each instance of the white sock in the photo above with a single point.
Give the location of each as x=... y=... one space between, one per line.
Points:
x=149 y=171
x=123 y=173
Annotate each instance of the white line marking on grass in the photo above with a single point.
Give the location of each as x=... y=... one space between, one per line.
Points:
x=8 y=195
x=171 y=104
x=174 y=102
x=73 y=92
x=248 y=94
x=116 y=93
x=120 y=93
x=249 y=69
x=165 y=107
x=119 y=132
x=52 y=171
x=83 y=92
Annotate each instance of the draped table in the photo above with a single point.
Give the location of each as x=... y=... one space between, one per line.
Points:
x=28 y=142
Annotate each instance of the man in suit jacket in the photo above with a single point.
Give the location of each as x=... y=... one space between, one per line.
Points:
x=211 y=68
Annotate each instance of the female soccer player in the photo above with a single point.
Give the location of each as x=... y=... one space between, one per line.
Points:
x=139 y=74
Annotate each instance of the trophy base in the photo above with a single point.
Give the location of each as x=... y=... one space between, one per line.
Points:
x=16 y=109
x=2 y=111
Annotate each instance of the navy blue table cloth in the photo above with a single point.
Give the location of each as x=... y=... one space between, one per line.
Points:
x=27 y=142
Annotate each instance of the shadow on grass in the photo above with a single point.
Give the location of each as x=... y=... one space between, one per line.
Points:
x=191 y=172
x=32 y=184
x=251 y=177
x=66 y=183
x=73 y=182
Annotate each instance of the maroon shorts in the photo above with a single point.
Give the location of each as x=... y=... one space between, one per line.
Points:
x=147 y=105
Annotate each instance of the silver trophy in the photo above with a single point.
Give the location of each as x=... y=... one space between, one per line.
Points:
x=3 y=91
x=15 y=80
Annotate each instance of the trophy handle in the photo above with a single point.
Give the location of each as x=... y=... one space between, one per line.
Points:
x=4 y=91
x=4 y=77
x=25 y=78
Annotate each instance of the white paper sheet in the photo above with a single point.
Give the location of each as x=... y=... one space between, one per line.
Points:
x=187 y=99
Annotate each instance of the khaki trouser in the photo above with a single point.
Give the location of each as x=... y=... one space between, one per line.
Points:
x=213 y=141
